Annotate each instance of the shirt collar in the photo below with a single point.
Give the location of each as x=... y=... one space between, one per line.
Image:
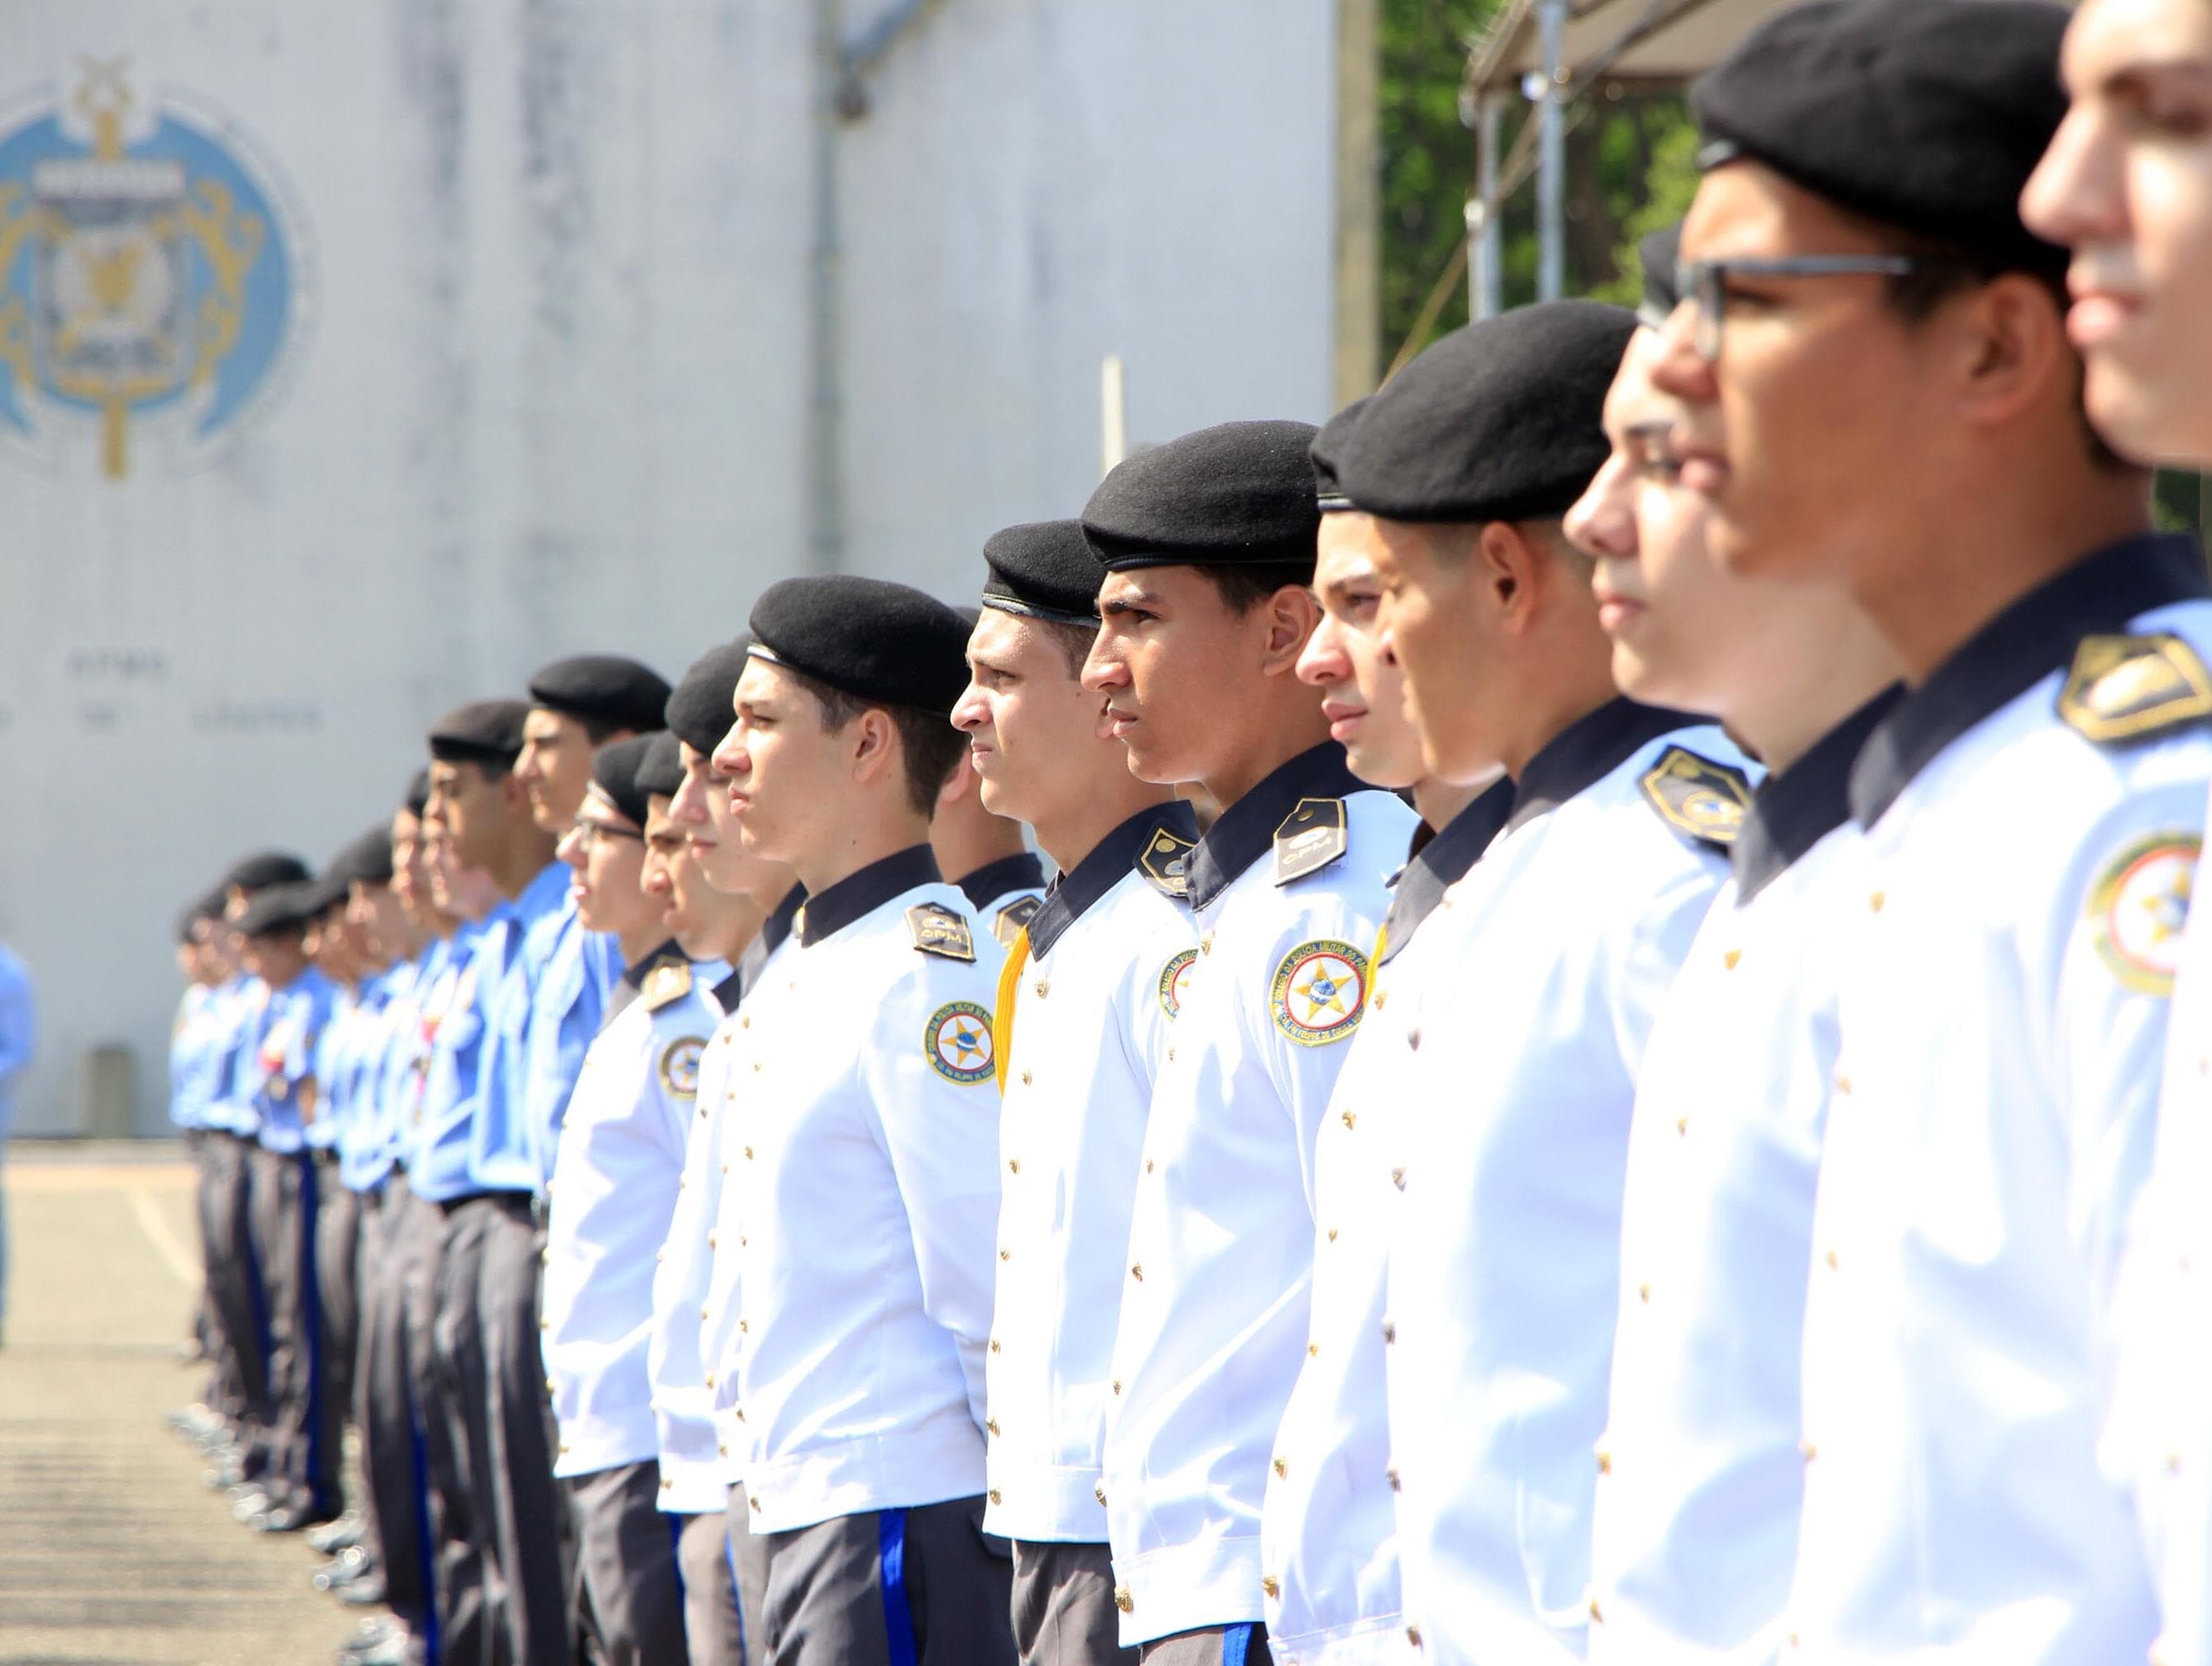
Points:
x=1796 y=808
x=988 y=883
x=1246 y=830
x=2033 y=637
x=1440 y=860
x=668 y=953
x=1586 y=751
x=773 y=930
x=1110 y=858
x=864 y=892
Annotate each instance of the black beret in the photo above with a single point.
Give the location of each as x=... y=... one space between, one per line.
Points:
x=263 y=869
x=1659 y=252
x=482 y=732
x=1927 y=115
x=1500 y=420
x=324 y=896
x=1327 y=491
x=1042 y=570
x=418 y=792
x=602 y=688
x=280 y=908
x=661 y=769
x=367 y=861
x=866 y=637
x=698 y=710
x=1237 y=495
x=613 y=772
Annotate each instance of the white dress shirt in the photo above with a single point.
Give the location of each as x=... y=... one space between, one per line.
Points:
x=1700 y=1484
x=616 y=1173
x=1214 y=1308
x=1328 y=1531
x=1505 y=1257
x=864 y=1192
x=1083 y=1033
x=2003 y=1010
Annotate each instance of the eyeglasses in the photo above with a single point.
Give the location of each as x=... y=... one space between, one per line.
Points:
x=588 y=833
x=1704 y=283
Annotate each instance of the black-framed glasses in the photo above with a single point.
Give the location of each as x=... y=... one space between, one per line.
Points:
x=1704 y=283
x=589 y=832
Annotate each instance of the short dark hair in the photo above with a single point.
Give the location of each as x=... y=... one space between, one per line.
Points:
x=1243 y=588
x=1074 y=641
x=929 y=746
x=599 y=730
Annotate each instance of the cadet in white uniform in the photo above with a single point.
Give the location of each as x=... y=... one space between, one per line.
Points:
x=865 y=1183
x=1695 y=1527
x=1086 y=978
x=1551 y=957
x=1329 y=1537
x=1208 y=547
x=2032 y=811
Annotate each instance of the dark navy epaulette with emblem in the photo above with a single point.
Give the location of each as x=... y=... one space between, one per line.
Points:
x=665 y=984
x=1312 y=837
x=1165 y=861
x=1696 y=797
x=1007 y=924
x=2123 y=688
x=938 y=930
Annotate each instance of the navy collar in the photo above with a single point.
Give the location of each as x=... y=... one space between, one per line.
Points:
x=1110 y=858
x=1440 y=860
x=668 y=952
x=1245 y=832
x=773 y=930
x=996 y=880
x=862 y=893
x=1586 y=751
x=1795 y=809
x=2034 y=636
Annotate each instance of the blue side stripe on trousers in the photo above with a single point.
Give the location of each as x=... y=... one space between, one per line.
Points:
x=1236 y=1645
x=891 y=1577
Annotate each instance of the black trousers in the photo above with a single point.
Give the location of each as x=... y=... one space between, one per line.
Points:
x=837 y=1590
x=236 y=1299
x=394 y=1452
x=337 y=1277
x=304 y=1427
x=628 y=1593
x=446 y=1367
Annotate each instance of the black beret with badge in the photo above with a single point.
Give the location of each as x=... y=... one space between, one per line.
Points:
x=866 y=637
x=1329 y=491
x=1236 y=494
x=263 y=869
x=698 y=708
x=1500 y=420
x=1927 y=115
x=602 y=688
x=280 y=908
x=660 y=771
x=366 y=861
x=483 y=731
x=1042 y=570
x=615 y=774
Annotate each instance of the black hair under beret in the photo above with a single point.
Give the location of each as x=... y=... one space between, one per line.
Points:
x=660 y=771
x=487 y=732
x=418 y=792
x=1927 y=115
x=602 y=688
x=613 y=772
x=1328 y=492
x=866 y=637
x=1236 y=494
x=366 y=861
x=263 y=869
x=1042 y=570
x=1500 y=420
x=698 y=711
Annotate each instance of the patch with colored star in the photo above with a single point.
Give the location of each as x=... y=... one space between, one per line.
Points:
x=1319 y=992
x=958 y=1043
x=679 y=1066
x=2139 y=905
x=1173 y=976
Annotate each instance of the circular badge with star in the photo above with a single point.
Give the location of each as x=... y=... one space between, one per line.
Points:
x=958 y=1043
x=1319 y=991
x=2139 y=905
x=679 y=1067
x=1173 y=977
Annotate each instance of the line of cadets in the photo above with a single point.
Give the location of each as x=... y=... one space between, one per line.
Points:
x=1544 y=1175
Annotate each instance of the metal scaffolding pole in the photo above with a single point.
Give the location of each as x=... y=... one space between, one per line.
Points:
x=1552 y=156
x=1486 y=271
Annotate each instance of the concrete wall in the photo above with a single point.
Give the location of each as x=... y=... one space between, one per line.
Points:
x=548 y=380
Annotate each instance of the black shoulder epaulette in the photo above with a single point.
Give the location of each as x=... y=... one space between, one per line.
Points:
x=1696 y=796
x=2130 y=688
x=1007 y=925
x=1310 y=838
x=1165 y=861
x=938 y=930
x=665 y=984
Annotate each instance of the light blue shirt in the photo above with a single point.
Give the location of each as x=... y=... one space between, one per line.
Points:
x=283 y=1061
x=194 y=1052
x=502 y=1150
x=438 y=1167
x=567 y=1010
x=19 y=1030
x=365 y=1137
x=241 y=1002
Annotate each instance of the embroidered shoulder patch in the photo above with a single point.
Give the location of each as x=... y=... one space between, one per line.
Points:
x=1173 y=977
x=1165 y=861
x=665 y=984
x=1696 y=796
x=938 y=930
x=679 y=1066
x=2129 y=688
x=958 y=1043
x=1310 y=838
x=1011 y=918
x=2139 y=905
x=1319 y=992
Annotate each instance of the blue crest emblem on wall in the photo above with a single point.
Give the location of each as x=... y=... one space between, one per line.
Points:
x=148 y=280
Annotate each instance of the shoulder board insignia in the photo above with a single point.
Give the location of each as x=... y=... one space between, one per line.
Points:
x=1312 y=837
x=1696 y=796
x=1165 y=861
x=2129 y=688
x=665 y=984
x=938 y=930
x=1011 y=918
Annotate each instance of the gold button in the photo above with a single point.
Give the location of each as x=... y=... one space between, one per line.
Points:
x=548 y=1385
x=1271 y=1584
x=1170 y=1056
x=1413 y=1635
x=1148 y=1165
x=545 y=1324
x=1013 y=1165
x=1398 y=1178
x=756 y=1064
x=702 y=1310
x=1875 y=902
x=1843 y=1083
x=712 y=1239
x=744 y=1330
x=1643 y=1294
x=1025 y=1079
x=563 y=1451
x=666 y=1485
x=1596 y=1612
x=1349 y=1119
x=1391 y=1475
x=1122 y=1600
x=994 y=1495
x=1043 y=988
x=710 y=1379
x=1807 y=1450
x=1414 y=1039
x=1682 y=1125
x=1729 y=959
x=1206 y=944
x=991 y=1424
x=748 y=1153
x=1389 y=1331
x=753 y=1501
x=1282 y=1470
x=1604 y=1461
x=1831 y=1259
x=1137 y=1272
x=1006 y=1255
x=1313 y=1350
x=702 y=1110
x=1117 y=1387
x=995 y=1344
x=745 y=1022
x=722 y=1449
x=1332 y=1234
x=660 y=1255
x=1099 y=1494
x=1381 y=996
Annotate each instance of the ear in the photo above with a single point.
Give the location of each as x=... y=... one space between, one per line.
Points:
x=2010 y=345
x=1287 y=619
x=513 y=796
x=873 y=741
x=1511 y=572
x=960 y=783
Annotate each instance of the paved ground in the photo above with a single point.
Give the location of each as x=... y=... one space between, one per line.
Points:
x=112 y=1551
